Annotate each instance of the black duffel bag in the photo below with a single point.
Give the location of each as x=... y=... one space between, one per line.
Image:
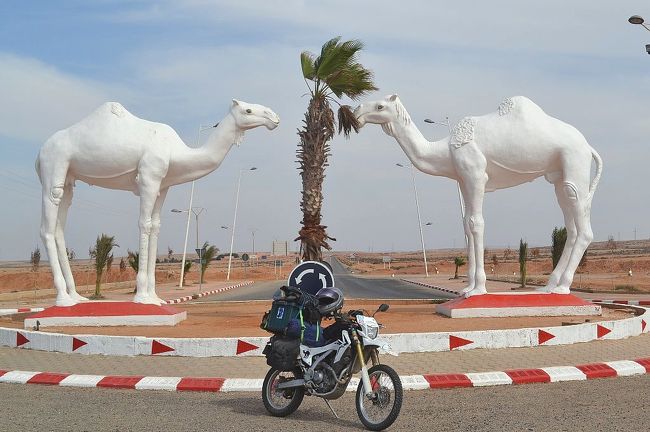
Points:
x=282 y=353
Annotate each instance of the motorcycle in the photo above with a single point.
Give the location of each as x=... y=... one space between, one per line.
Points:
x=326 y=371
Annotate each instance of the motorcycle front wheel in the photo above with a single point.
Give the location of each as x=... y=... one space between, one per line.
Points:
x=381 y=409
x=281 y=403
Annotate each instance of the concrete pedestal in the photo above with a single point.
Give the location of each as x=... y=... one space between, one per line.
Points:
x=106 y=313
x=517 y=304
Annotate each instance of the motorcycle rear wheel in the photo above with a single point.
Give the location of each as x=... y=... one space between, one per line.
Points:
x=380 y=411
x=281 y=403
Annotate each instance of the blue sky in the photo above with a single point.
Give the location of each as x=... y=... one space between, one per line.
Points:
x=181 y=62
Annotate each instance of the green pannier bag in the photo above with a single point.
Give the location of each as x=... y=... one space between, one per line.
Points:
x=277 y=319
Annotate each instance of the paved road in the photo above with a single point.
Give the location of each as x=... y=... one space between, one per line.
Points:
x=599 y=405
x=353 y=286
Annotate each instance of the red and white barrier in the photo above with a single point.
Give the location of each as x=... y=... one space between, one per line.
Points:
x=409 y=382
x=207 y=293
x=4 y=312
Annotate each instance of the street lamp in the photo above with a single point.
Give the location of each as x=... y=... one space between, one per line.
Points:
x=253 y=231
x=234 y=222
x=187 y=226
x=417 y=206
x=461 y=201
x=196 y=211
x=638 y=20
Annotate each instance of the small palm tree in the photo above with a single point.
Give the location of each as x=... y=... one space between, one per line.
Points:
x=334 y=73
x=558 y=239
x=523 y=254
x=458 y=262
x=209 y=252
x=188 y=266
x=102 y=255
x=133 y=259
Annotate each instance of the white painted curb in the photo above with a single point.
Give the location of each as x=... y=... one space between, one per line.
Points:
x=399 y=343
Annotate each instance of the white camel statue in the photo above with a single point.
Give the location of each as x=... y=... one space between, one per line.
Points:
x=516 y=144
x=114 y=149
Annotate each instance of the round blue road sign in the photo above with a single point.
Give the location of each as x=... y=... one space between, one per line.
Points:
x=311 y=276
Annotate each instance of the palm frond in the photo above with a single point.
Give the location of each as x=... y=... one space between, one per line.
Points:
x=307 y=64
x=347 y=120
x=354 y=82
x=338 y=56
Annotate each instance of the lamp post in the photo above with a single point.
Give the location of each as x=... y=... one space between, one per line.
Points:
x=187 y=226
x=253 y=231
x=417 y=206
x=638 y=20
x=196 y=211
x=234 y=222
x=461 y=201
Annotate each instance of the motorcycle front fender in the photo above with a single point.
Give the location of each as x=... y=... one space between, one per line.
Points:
x=382 y=345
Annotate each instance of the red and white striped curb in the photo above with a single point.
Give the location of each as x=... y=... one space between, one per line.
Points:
x=435 y=287
x=4 y=312
x=206 y=293
x=409 y=382
x=625 y=302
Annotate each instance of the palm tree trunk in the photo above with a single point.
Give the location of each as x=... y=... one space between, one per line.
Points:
x=456 y=272
x=98 y=284
x=313 y=152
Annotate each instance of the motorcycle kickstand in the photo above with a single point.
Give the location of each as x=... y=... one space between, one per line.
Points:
x=330 y=407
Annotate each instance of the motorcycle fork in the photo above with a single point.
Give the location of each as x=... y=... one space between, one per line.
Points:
x=365 y=378
x=374 y=357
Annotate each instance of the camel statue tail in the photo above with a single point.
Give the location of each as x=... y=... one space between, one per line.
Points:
x=599 y=171
x=38 y=168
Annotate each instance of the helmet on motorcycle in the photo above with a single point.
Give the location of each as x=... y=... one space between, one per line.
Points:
x=329 y=300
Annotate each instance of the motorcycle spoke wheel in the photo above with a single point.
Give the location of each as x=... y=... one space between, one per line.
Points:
x=381 y=409
x=281 y=402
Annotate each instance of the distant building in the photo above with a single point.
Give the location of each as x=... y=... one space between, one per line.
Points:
x=280 y=248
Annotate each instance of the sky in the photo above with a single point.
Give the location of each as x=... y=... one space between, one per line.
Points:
x=180 y=62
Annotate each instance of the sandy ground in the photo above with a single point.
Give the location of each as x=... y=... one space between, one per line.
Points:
x=236 y=319
x=606 y=269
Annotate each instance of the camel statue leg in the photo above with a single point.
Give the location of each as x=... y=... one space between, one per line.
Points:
x=53 y=191
x=581 y=212
x=149 y=189
x=474 y=193
x=471 y=264
x=153 y=248
x=64 y=206
x=554 y=278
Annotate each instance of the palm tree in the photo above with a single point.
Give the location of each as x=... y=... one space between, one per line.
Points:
x=209 y=252
x=523 y=254
x=558 y=239
x=134 y=262
x=458 y=262
x=334 y=73
x=102 y=254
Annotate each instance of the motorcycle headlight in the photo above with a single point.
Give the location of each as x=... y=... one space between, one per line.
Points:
x=371 y=331
x=369 y=326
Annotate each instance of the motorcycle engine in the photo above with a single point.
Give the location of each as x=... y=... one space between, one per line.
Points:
x=323 y=380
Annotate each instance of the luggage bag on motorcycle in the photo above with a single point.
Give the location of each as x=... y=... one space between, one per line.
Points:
x=277 y=319
x=282 y=353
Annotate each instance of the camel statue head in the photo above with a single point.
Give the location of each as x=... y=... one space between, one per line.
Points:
x=383 y=112
x=249 y=116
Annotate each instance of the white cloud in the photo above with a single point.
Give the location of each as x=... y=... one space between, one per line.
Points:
x=38 y=99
